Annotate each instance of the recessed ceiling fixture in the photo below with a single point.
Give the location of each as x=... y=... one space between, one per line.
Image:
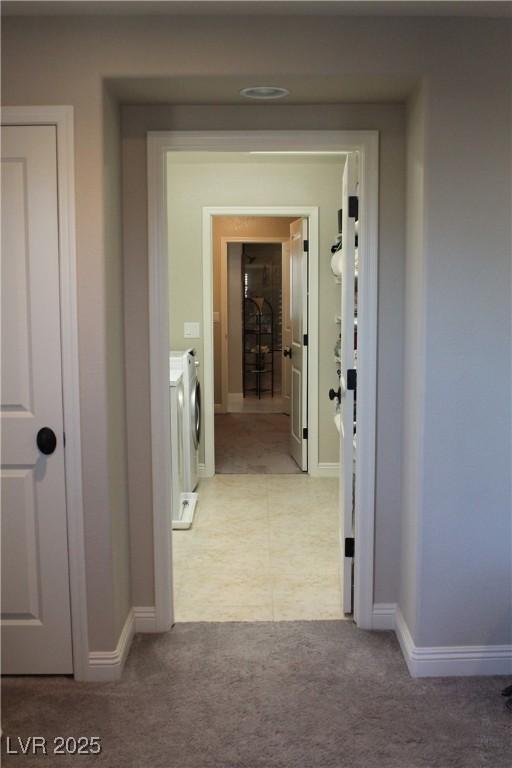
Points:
x=264 y=92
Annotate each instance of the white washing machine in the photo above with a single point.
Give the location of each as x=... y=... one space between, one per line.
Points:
x=187 y=362
x=176 y=402
x=182 y=503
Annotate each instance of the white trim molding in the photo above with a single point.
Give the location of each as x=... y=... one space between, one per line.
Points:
x=145 y=619
x=326 y=469
x=62 y=118
x=451 y=660
x=106 y=666
x=159 y=385
x=384 y=616
x=366 y=144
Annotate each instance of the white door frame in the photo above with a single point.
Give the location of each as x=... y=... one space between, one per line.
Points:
x=311 y=214
x=62 y=118
x=367 y=144
x=224 y=242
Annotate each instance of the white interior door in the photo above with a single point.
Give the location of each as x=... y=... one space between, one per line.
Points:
x=286 y=335
x=347 y=380
x=35 y=622
x=298 y=347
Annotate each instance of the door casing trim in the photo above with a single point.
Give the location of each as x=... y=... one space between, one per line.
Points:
x=311 y=213
x=62 y=118
x=366 y=143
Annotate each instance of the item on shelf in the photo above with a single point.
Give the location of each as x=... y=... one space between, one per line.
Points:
x=336 y=257
x=263 y=348
x=337 y=348
x=258 y=357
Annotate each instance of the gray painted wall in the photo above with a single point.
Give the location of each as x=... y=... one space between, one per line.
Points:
x=414 y=360
x=465 y=576
x=461 y=527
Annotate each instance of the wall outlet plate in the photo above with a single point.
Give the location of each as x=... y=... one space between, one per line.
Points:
x=191 y=330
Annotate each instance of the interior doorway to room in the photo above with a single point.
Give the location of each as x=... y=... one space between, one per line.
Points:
x=260 y=357
x=253 y=551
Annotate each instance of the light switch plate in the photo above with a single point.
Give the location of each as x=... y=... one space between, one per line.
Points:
x=191 y=330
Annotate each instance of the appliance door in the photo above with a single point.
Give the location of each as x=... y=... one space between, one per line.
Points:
x=195 y=410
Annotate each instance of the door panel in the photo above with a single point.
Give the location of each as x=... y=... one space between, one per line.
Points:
x=36 y=624
x=347 y=361
x=286 y=371
x=299 y=352
x=16 y=376
x=20 y=595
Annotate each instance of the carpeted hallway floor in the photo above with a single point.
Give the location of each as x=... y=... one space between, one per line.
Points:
x=266 y=695
x=253 y=443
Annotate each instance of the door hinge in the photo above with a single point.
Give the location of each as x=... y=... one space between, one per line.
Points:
x=64 y=438
x=349 y=547
x=353 y=207
x=306 y=246
x=305 y=433
x=305 y=340
x=352 y=379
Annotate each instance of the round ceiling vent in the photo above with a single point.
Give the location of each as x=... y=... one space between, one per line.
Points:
x=264 y=92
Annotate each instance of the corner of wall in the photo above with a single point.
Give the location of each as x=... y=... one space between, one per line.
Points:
x=413 y=360
x=116 y=387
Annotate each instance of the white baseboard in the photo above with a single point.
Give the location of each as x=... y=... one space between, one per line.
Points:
x=235 y=402
x=451 y=661
x=383 y=615
x=105 y=666
x=145 y=619
x=326 y=469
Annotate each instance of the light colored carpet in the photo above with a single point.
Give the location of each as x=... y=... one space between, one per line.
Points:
x=253 y=443
x=266 y=695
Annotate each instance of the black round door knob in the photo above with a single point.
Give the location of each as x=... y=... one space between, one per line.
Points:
x=46 y=440
x=287 y=352
x=335 y=394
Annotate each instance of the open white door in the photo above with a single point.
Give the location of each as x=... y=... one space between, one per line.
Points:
x=286 y=367
x=36 y=622
x=298 y=347
x=348 y=359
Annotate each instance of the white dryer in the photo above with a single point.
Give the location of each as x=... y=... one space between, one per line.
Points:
x=187 y=362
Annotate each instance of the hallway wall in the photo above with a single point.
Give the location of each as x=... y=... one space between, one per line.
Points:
x=465 y=67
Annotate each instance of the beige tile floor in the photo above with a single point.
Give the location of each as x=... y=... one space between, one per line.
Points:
x=262 y=548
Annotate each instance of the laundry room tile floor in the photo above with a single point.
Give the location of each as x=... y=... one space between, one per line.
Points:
x=262 y=548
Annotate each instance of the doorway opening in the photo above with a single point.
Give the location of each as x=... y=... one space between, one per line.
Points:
x=259 y=498
x=255 y=394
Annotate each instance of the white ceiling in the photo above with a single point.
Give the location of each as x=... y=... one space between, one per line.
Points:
x=479 y=8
